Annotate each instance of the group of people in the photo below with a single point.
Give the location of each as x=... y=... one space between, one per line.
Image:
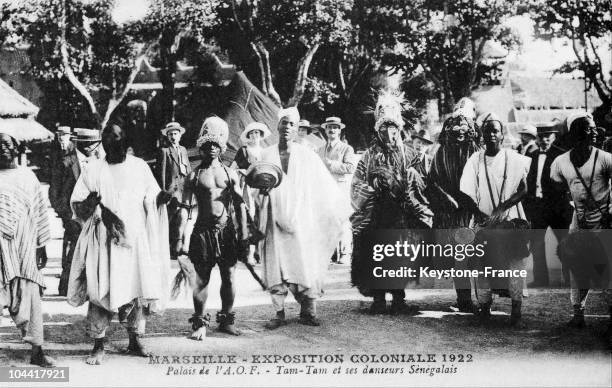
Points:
x=294 y=206
x=470 y=182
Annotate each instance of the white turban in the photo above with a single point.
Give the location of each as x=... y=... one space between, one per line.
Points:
x=576 y=116
x=488 y=116
x=214 y=130
x=291 y=112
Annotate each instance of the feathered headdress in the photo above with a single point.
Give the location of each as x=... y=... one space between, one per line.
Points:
x=389 y=107
x=214 y=130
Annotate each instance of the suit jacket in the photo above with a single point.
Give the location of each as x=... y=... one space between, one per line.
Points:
x=554 y=195
x=65 y=170
x=341 y=160
x=169 y=171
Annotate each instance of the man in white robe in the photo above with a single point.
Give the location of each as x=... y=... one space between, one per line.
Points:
x=303 y=222
x=121 y=261
x=495 y=179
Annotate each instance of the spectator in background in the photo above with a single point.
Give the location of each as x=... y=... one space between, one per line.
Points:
x=546 y=203
x=173 y=167
x=66 y=172
x=249 y=153
x=529 y=134
x=421 y=141
x=339 y=158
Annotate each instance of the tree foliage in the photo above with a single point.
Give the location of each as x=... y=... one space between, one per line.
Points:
x=446 y=40
x=167 y=24
x=281 y=38
x=584 y=23
x=73 y=42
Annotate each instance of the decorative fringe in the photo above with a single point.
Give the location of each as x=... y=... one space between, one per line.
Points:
x=114 y=226
x=186 y=275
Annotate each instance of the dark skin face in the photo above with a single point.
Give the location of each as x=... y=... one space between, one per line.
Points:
x=584 y=133
x=115 y=144
x=8 y=151
x=493 y=136
x=287 y=130
x=209 y=151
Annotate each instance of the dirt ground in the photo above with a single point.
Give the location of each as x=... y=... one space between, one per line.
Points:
x=544 y=353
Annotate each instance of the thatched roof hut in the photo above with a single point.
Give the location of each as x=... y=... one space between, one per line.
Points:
x=17 y=117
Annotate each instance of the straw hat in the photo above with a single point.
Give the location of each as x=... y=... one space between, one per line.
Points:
x=173 y=126
x=63 y=130
x=530 y=130
x=333 y=121
x=85 y=134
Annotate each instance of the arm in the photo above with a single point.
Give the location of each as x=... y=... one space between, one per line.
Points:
x=514 y=199
x=241 y=208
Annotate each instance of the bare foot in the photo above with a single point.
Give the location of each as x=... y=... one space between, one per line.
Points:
x=136 y=348
x=96 y=357
x=198 y=334
x=229 y=329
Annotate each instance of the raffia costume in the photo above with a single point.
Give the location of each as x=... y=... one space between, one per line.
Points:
x=377 y=209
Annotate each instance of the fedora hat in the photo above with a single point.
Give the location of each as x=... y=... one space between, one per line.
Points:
x=254 y=126
x=172 y=126
x=544 y=128
x=530 y=130
x=423 y=135
x=264 y=175
x=333 y=121
x=85 y=134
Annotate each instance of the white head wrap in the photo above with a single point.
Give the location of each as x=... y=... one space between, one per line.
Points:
x=575 y=116
x=291 y=112
x=488 y=116
x=214 y=130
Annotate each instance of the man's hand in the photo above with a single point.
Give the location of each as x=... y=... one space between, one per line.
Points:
x=86 y=208
x=92 y=200
x=243 y=250
x=163 y=197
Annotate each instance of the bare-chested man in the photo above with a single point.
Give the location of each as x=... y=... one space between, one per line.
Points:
x=217 y=236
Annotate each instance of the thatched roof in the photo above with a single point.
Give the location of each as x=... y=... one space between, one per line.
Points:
x=25 y=130
x=555 y=93
x=13 y=104
x=17 y=117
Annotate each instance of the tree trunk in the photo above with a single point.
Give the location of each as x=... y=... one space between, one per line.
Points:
x=167 y=73
x=117 y=97
x=266 y=72
x=69 y=73
x=302 y=75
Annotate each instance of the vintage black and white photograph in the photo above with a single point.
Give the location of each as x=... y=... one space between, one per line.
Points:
x=306 y=193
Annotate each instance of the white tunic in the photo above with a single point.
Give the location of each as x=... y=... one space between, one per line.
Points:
x=474 y=180
x=118 y=274
x=305 y=218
